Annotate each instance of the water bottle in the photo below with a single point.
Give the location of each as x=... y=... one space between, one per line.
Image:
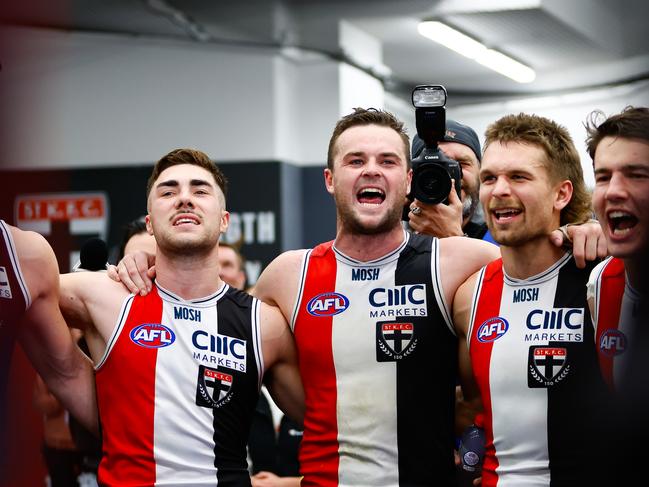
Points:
x=472 y=448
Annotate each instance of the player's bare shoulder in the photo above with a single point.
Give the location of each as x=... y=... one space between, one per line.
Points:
x=279 y=283
x=37 y=262
x=459 y=258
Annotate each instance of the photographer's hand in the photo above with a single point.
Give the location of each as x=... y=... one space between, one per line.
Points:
x=438 y=220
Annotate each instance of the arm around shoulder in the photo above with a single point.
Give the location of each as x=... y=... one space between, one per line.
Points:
x=280 y=361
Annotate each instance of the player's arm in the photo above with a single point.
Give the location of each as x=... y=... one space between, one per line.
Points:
x=46 y=339
x=586 y=239
x=461 y=257
x=282 y=375
x=278 y=283
x=135 y=271
x=468 y=402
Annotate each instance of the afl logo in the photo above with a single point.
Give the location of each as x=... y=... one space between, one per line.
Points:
x=612 y=343
x=492 y=329
x=152 y=335
x=327 y=304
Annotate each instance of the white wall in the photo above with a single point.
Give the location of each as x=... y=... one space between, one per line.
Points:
x=570 y=110
x=79 y=99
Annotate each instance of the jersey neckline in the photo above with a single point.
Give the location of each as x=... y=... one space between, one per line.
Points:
x=542 y=276
x=202 y=302
x=389 y=257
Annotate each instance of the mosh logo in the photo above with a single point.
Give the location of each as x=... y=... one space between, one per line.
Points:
x=327 y=304
x=152 y=335
x=612 y=343
x=492 y=329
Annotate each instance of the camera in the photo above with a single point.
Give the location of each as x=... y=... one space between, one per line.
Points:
x=432 y=170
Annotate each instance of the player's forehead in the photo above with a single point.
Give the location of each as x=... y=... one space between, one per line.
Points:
x=370 y=139
x=186 y=173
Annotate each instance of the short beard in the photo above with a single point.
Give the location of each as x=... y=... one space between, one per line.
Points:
x=391 y=220
x=469 y=205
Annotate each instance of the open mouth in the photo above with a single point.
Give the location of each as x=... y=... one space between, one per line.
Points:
x=370 y=196
x=185 y=220
x=504 y=215
x=621 y=222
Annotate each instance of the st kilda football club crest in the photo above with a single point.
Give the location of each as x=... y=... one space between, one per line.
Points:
x=547 y=366
x=214 y=388
x=394 y=341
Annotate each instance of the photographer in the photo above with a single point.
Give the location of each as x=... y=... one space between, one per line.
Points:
x=461 y=143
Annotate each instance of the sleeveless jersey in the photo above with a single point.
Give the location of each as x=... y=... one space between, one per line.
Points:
x=532 y=353
x=378 y=359
x=14 y=301
x=177 y=388
x=615 y=317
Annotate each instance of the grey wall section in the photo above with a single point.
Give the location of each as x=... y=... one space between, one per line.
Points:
x=319 y=211
x=292 y=207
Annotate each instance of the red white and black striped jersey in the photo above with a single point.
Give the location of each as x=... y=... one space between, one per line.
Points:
x=616 y=317
x=378 y=358
x=534 y=361
x=177 y=388
x=14 y=301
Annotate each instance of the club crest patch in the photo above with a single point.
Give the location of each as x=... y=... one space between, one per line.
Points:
x=547 y=366
x=214 y=388
x=394 y=341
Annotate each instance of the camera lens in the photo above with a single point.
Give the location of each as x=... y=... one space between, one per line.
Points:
x=431 y=183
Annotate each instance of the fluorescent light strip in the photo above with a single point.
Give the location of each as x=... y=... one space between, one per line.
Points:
x=468 y=47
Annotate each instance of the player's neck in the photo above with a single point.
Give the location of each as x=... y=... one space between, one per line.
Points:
x=530 y=259
x=368 y=247
x=189 y=277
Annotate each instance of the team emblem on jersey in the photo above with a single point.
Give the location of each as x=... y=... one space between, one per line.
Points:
x=394 y=341
x=547 y=366
x=492 y=329
x=612 y=343
x=327 y=304
x=152 y=335
x=5 y=288
x=214 y=388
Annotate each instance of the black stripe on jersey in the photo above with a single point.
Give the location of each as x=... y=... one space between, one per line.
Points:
x=232 y=419
x=425 y=382
x=574 y=404
x=298 y=301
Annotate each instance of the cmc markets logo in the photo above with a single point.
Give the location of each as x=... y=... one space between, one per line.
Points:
x=152 y=335
x=492 y=329
x=327 y=304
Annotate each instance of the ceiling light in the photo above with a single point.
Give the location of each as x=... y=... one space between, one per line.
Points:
x=469 y=47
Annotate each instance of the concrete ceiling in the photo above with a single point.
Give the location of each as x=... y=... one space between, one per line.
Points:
x=572 y=44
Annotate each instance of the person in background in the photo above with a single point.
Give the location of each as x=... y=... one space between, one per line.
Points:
x=62 y=457
x=136 y=237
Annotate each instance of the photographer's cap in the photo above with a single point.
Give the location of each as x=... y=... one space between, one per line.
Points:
x=455 y=132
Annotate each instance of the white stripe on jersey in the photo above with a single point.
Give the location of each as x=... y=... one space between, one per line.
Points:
x=367 y=396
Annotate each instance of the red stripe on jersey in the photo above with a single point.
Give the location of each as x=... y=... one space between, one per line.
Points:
x=488 y=306
x=126 y=398
x=313 y=336
x=608 y=316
